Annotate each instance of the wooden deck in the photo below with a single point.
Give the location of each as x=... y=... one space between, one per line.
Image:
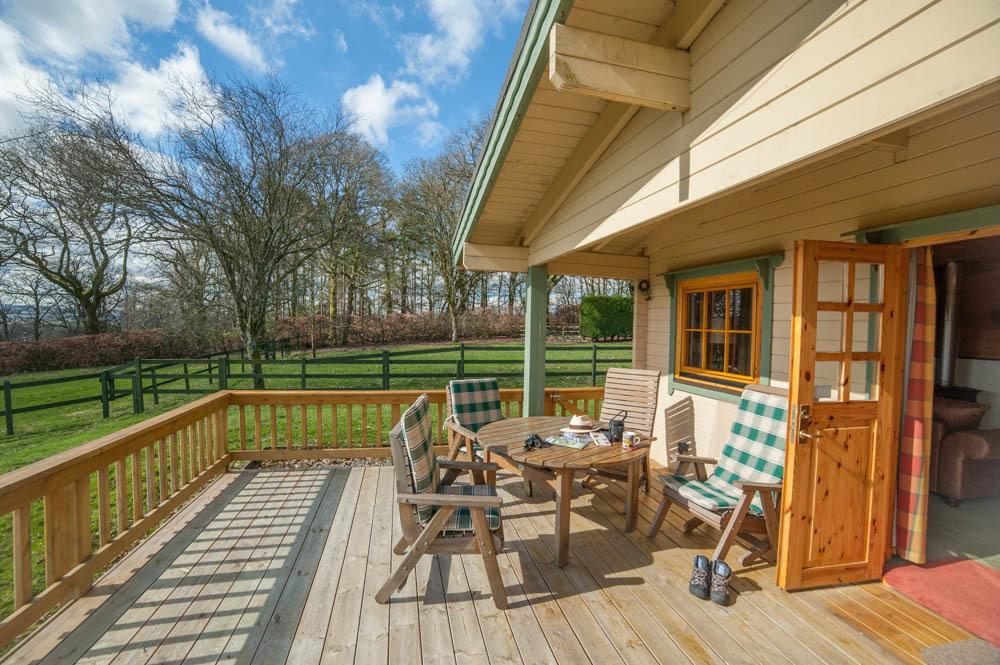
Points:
x=273 y=566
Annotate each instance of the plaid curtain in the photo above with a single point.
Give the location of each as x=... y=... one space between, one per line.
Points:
x=914 y=449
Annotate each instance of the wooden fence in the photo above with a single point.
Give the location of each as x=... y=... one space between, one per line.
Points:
x=74 y=513
x=155 y=377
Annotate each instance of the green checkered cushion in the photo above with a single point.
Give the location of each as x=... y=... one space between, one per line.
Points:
x=460 y=521
x=475 y=402
x=418 y=450
x=754 y=452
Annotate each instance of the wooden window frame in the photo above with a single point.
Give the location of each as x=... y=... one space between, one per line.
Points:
x=722 y=380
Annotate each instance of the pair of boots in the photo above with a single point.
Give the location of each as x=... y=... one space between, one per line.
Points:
x=711 y=580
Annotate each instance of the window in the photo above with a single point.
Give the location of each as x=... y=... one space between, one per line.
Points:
x=718 y=331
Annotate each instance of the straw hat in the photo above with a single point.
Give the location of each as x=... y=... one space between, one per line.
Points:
x=580 y=425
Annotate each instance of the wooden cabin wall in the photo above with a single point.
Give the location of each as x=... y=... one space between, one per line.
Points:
x=775 y=83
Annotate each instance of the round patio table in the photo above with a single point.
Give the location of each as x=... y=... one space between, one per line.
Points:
x=556 y=466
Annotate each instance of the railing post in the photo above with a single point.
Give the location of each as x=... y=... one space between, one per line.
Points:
x=224 y=373
x=8 y=407
x=105 y=401
x=593 y=364
x=385 y=369
x=461 y=360
x=302 y=369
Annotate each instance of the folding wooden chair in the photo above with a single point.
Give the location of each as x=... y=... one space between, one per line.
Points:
x=633 y=391
x=472 y=404
x=437 y=516
x=740 y=496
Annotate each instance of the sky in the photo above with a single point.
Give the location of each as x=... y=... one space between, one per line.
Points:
x=408 y=72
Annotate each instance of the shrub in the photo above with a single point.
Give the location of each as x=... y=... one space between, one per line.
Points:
x=96 y=350
x=606 y=317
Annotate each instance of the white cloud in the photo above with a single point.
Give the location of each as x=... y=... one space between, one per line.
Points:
x=379 y=14
x=217 y=27
x=70 y=29
x=145 y=96
x=377 y=108
x=443 y=56
x=430 y=132
x=279 y=18
x=340 y=41
x=17 y=77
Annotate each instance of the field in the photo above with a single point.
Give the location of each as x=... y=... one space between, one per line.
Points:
x=45 y=432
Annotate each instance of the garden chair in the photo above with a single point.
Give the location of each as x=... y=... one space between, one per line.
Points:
x=739 y=497
x=437 y=516
x=472 y=404
x=633 y=391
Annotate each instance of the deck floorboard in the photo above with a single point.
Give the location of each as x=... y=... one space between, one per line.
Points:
x=272 y=566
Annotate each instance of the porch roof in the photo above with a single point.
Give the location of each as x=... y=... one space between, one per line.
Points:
x=269 y=565
x=542 y=140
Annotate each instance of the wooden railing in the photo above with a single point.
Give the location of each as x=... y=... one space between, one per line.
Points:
x=74 y=513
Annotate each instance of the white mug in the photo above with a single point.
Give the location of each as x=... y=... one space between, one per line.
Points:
x=630 y=440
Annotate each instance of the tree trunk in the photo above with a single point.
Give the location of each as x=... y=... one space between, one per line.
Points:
x=91 y=319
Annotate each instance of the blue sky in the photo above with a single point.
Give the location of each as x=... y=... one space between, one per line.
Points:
x=408 y=71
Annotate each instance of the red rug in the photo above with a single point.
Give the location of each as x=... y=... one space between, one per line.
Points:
x=965 y=592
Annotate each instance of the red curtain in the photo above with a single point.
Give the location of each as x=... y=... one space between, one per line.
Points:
x=914 y=449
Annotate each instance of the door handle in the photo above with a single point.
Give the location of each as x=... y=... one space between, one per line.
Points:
x=806 y=435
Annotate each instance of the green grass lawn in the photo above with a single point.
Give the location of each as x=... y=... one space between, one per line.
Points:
x=43 y=433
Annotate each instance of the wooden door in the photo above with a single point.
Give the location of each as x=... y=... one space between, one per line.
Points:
x=848 y=329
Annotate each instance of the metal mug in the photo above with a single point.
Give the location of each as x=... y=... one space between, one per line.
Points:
x=616 y=427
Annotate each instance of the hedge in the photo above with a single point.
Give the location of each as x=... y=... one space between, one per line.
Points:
x=606 y=317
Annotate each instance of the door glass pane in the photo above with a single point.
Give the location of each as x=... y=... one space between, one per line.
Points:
x=693 y=351
x=828 y=380
x=830 y=332
x=741 y=309
x=867 y=335
x=868 y=278
x=864 y=380
x=694 y=304
x=717 y=310
x=716 y=351
x=740 y=353
x=832 y=277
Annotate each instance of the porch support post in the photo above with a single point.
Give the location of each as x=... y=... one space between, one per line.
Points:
x=535 y=324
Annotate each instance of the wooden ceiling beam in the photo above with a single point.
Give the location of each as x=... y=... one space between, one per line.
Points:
x=507 y=258
x=618 y=69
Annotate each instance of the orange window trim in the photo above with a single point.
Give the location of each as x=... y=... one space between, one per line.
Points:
x=725 y=283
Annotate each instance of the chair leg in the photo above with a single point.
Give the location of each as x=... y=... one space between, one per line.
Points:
x=527 y=487
x=645 y=474
x=690 y=525
x=409 y=562
x=400 y=548
x=661 y=514
x=733 y=527
x=489 y=553
x=771 y=523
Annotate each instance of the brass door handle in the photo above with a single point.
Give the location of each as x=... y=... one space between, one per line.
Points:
x=806 y=435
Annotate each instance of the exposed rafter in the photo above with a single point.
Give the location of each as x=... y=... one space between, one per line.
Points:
x=618 y=69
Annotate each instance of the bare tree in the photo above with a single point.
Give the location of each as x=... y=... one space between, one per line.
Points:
x=241 y=181
x=69 y=210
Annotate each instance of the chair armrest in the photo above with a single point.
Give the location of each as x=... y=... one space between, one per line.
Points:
x=453 y=500
x=695 y=459
x=461 y=465
x=458 y=429
x=764 y=487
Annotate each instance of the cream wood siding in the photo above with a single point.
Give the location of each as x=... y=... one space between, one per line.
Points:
x=777 y=84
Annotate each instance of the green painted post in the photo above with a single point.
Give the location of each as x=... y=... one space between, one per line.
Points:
x=593 y=364
x=105 y=401
x=535 y=317
x=137 y=402
x=385 y=369
x=187 y=379
x=8 y=408
x=302 y=369
x=156 y=385
x=461 y=360
x=210 y=370
x=224 y=373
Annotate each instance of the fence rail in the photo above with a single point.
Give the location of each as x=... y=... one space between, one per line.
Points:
x=75 y=512
x=156 y=377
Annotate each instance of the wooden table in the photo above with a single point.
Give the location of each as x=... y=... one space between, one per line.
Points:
x=556 y=466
